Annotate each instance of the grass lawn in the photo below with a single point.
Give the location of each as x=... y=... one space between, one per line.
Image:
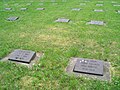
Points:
x=38 y=31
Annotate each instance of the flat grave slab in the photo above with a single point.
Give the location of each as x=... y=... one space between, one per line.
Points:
x=82 y=4
x=93 y=22
x=40 y=9
x=22 y=56
x=8 y=9
x=118 y=11
x=116 y=5
x=62 y=20
x=12 y=18
x=76 y=9
x=23 y=9
x=99 y=4
x=98 y=10
x=89 y=68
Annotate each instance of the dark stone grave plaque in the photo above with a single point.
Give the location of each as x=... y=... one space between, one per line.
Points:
x=76 y=9
x=62 y=20
x=40 y=9
x=98 y=10
x=96 y=22
x=12 y=18
x=8 y=9
x=23 y=9
x=24 y=56
x=99 y=4
x=86 y=66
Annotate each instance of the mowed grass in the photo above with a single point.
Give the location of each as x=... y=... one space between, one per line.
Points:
x=38 y=31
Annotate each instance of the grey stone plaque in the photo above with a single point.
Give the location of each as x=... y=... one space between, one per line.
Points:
x=23 y=9
x=96 y=22
x=40 y=9
x=76 y=9
x=99 y=4
x=8 y=8
x=98 y=10
x=82 y=4
x=12 y=18
x=62 y=20
x=116 y=5
x=118 y=11
x=24 y=56
x=86 y=66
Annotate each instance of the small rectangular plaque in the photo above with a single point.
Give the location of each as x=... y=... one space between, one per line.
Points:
x=62 y=20
x=40 y=9
x=76 y=9
x=24 y=56
x=99 y=4
x=12 y=18
x=96 y=22
x=98 y=10
x=8 y=9
x=88 y=66
x=23 y=9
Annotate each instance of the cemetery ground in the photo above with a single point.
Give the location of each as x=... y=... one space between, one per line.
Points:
x=37 y=30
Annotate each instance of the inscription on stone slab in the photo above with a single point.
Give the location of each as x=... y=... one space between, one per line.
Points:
x=24 y=56
x=76 y=9
x=100 y=10
x=96 y=22
x=8 y=8
x=23 y=9
x=62 y=20
x=12 y=18
x=87 y=66
x=40 y=9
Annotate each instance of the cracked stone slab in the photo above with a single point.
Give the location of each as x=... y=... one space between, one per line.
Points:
x=93 y=22
x=94 y=69
x=76 y=9
x=23 y=57
x=12 y=18
x=40 y=9
x=62 y=20
x=23 y=9
x=98 y=10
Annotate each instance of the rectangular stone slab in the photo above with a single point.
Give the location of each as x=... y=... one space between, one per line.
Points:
x=62 y=20
x=98 y=10
x=99 y=4
x=12 y=18
x=96 y=22
x=40 y=9
x=8 y=8
x=76 y=9
x=24 y=56
x=87 y=66
x=23 y=9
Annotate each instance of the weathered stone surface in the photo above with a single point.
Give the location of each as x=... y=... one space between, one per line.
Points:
x=24 y=56
x=96 y=22
x=62 y=20
x=12 y=18
x=87 y=66
x=40 y=9
x=106 y=71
